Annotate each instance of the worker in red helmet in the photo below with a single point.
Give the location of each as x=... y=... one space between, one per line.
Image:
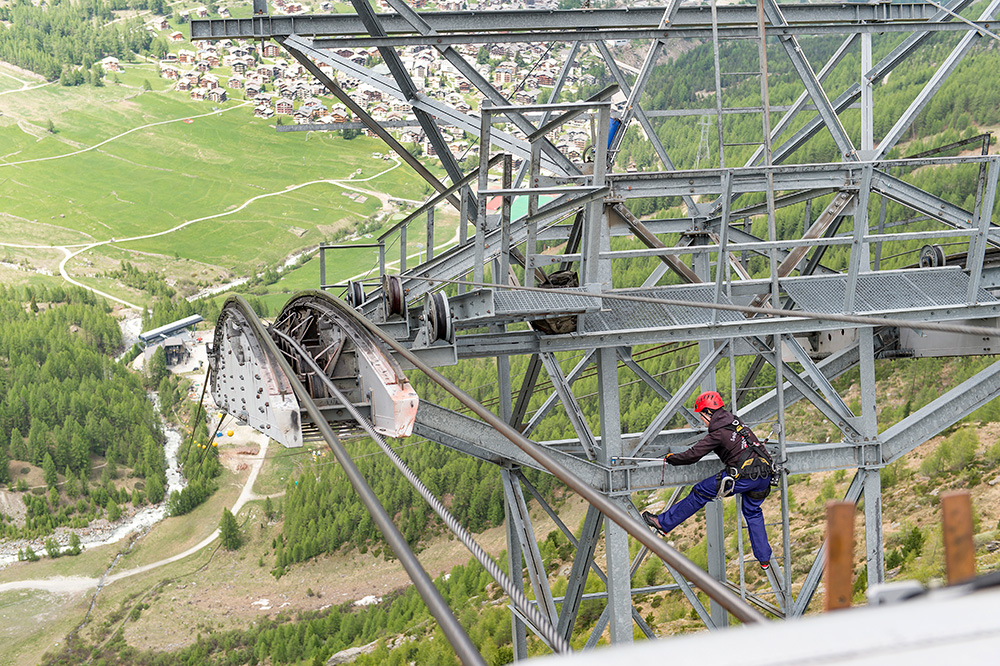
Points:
x=748 y=471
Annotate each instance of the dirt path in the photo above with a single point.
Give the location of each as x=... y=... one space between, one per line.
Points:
x=76 y=584
x=72 y=250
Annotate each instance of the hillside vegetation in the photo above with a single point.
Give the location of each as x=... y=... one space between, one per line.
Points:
x=64 y=404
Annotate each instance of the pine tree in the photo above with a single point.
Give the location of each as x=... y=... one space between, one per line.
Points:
x=18 y=448
x=229 y=531
x=114 y=512
x=4 y=465
x=154 y=489
x=49 y=467
x=157 y=367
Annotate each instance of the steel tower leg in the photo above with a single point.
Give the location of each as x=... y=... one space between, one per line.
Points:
x=715 y=533
x=615 y=537
x=873 y=460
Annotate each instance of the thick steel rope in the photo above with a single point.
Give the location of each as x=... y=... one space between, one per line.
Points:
x=552 y=636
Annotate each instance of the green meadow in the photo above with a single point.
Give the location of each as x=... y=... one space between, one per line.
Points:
x=203 y=192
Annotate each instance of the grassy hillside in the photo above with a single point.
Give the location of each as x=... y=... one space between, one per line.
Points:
x=87 y=165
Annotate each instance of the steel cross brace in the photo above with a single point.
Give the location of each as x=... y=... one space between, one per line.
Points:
x=442 y=112
x=941 y=74
x=639 y=85
x=928 y=421
x=812 y=84
x=835 y=411
x=649 y=380
x=812 y=372
x=584 y=558
x=392 y=60
x=480 y=82
x=573 y=375
x=368 y=121
x=704 y=367
x=849 y=96
x=563 y=389
x=582 y=563
x=640 y=115
x=518 y=514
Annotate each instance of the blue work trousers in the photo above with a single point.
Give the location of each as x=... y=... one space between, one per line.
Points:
x=705 y=491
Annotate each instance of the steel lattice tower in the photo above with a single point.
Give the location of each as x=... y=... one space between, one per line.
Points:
x=717 y=284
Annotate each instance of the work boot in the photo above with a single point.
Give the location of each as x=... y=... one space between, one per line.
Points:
x=652 y=521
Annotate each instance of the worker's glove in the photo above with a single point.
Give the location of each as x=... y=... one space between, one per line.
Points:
x=666 y=458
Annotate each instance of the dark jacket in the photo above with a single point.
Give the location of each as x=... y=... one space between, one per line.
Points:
x=722 y=439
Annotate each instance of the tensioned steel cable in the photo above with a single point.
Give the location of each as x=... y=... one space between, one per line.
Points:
x=862 y=320
x=598 y=500
x=552 y=636
x=464 y=648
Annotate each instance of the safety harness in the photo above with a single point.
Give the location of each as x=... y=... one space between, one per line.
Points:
x=754 y=463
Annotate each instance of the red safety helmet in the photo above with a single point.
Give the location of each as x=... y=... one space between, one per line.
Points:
x=708 y=400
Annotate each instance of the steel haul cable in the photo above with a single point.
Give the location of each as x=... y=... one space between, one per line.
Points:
x=552 y=636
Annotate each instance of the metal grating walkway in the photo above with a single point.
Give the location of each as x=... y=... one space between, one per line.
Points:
x=877 y=293
x=625 y=315
x=885 y=292
x=533 y=304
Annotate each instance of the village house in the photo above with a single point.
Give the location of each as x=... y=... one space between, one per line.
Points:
x=176 y=37
x=217 y=95
x=110 y=64
x=263 y=111
x=270 y=50
x=209 y=81
x=503 y=75
x=284 y=107
x=186 y=83
x=185 y=57
x=235 y=82
x=169 y=72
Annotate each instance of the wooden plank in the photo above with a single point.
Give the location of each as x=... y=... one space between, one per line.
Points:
x=838 y=574
x=959 y=550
